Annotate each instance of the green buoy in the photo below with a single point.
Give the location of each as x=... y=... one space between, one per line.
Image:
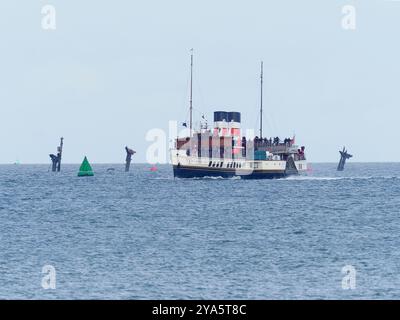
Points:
x=85 y=170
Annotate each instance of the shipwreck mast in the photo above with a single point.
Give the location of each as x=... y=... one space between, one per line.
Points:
x=59 y=149
x=344 y=155
x=56 y=159
x=129 y=154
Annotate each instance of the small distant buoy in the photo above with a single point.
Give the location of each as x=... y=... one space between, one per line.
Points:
x=153 y=169
x=85 y=170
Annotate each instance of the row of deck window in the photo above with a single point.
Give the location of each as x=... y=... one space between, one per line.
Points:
x=220 y=164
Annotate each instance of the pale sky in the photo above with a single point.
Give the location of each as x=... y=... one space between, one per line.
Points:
x=112 y=70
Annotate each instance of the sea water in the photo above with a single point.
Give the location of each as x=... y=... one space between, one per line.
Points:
x=146 y=235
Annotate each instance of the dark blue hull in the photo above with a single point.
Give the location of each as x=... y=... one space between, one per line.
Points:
x=190 y=172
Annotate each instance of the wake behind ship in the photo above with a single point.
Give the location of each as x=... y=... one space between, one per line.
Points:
x=223 y=152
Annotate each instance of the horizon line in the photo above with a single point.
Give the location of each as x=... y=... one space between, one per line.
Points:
x=146 y=163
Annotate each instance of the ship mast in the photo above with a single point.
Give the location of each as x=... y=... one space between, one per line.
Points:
x=191 y=93
x=261 y=101
x=60 y=148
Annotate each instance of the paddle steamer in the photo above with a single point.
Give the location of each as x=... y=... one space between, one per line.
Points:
x=224 y=152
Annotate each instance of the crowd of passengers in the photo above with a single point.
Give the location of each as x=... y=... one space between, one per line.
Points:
x=270 y=142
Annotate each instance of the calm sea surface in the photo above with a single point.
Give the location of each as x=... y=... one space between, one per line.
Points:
x=144 y=235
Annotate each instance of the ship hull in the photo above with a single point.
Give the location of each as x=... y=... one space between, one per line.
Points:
x=185 y=166
x=193 y=172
